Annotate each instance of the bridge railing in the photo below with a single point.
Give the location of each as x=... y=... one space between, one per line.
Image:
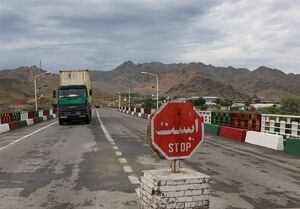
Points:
x=285 y=125
x=24 y=115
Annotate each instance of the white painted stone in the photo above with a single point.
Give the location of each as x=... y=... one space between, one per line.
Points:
x=54 y=115
x=4 y=128
x=44 y=118
x=29 y=122
x=271 y=141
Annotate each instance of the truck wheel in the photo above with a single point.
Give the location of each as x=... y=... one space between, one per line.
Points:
x=87 y=120
x=60 y=121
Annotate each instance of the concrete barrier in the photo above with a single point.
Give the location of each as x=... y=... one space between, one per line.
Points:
x=36 y=120
x=29 y=122
x=4 y=128
x=271 y=141
x=44 y=118
x=292 y=146
x=23 y=123
x=236 y=134
x=211 y=129
x=14 y=125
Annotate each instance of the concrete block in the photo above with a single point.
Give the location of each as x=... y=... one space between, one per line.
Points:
x=236 y=134
x=211 y=129
x=271 y=141
x=45 y=118
x=14 y=125
x=292 y=146
x=29 y=122
x=164 y=189
x=4 y=128
x=23 y=123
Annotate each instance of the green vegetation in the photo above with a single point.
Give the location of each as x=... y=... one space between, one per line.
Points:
x=199 y=102
x=289 y=105
x=149 y=103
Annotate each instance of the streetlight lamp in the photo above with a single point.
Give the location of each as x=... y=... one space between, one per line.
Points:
x=155 y=75
x=35 y=96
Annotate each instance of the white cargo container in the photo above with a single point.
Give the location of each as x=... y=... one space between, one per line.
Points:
x=75 y=77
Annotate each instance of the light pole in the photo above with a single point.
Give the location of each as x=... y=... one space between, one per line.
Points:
x=128 y=95
x=35 y=96
x=155 y=75
x=119 y=100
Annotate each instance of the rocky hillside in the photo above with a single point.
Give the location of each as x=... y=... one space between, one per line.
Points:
x=182 y=80
x=198 y=79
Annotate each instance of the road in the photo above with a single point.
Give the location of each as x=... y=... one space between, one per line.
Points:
x=99 y=165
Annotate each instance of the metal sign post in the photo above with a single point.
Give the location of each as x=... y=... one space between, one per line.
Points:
x=175 y=166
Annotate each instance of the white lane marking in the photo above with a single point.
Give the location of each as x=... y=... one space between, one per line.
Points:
x=134 y=179
x=108 y=137
x=26 y=136
x=115 y=148
x=118 y=153
x=123 y=160
x=127 y=169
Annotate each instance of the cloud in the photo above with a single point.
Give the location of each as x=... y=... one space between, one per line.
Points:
x=102 y=34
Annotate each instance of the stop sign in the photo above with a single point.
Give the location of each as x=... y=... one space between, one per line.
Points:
x=177 y=130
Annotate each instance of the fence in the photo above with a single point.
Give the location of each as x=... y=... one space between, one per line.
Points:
x=286 y=125
x=245 y=120
x=206 y=115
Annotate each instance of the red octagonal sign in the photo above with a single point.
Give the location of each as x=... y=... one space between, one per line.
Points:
x=177 y=130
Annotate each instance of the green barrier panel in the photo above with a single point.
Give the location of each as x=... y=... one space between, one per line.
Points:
x=23 y=123
x=211 y=129
x=292 y=146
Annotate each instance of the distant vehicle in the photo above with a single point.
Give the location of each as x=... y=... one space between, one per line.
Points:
x=97 y=106
x=74 y=96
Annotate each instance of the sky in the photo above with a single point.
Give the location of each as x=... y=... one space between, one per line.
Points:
x=102 y=34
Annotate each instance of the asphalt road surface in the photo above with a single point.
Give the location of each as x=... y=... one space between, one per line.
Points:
x=99 y=166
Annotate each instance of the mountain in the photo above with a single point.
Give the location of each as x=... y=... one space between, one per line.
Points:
x=198 y=79
x=18 y=84
x=182 y=80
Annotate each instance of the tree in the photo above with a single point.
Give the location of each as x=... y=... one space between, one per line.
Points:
x=198 y=102
x=148 y=103
x=226 y=103
x=290 y=105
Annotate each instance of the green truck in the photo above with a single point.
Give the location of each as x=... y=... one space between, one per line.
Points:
x=74 y=96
